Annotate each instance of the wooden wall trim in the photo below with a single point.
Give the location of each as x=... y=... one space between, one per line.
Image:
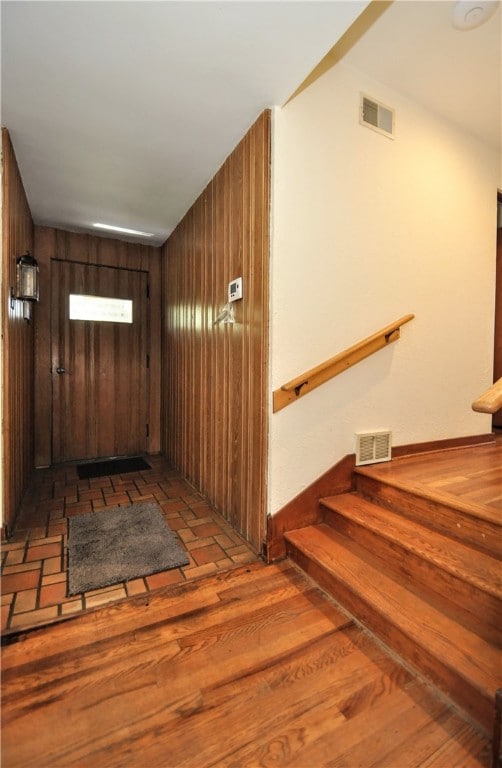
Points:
x=17 y=362
x=304 y=509
x=214 y=406
x=399 y=451
x=59 y=244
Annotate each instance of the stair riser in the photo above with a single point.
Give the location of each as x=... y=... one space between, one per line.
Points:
x=452 y=522
x=473 y=607
x=473 y=701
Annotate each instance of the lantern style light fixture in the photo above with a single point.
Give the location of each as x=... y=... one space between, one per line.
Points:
x=27 y=282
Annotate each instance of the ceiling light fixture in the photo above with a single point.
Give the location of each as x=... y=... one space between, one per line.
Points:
x=469 y=14
x=123 y=230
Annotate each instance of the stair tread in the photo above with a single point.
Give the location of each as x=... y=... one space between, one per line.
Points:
x=477 y=660
x=389 y=473
x=478 y=568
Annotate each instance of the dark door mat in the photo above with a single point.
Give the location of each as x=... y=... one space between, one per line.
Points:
x=111 y=467
x=120 y=544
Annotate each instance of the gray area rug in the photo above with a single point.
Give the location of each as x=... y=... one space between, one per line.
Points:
x=119 y=544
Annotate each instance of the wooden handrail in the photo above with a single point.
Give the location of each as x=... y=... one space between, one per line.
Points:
x=308 y=381
x=491 y=400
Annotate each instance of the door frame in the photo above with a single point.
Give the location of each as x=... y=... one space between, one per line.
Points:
x=58 y=244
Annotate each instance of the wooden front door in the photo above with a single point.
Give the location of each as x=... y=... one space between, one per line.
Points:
x=99 y=367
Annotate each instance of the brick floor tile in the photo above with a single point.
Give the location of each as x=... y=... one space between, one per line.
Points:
x=173 y=505
x=112 y=499
x=80 y=508
x=32 y=618
x=244 y=557
x=138 y=496
x=224 y=541
x=174 y=520
x=57 y=528
x=37 y=533
x=52 y=594
x=50 y=505
x=201 y=570
x=52 y=565
x=164 y=578
x=211 y=553
x=201 y=520
x=5 y=616
x=103 y=597
x=202 y=511
x=198 y=543
x=48 y=540
x=122 y=486
x=19 y=535
x=148 y=488
x=206 y=529
x=64 y=491
x=53 y=578
x=8 y=598
x=42 y=551
x=100 y=482
x=135 y=587
x=185 y=534
x=71 y=606
x=17 y=582
x=90 y=495
x=25 y=601
x=8 y=546
x=240 y=550
x=21 y=568
x=14 y=557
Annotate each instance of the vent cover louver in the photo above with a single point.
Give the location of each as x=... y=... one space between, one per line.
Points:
x=376 y=116
x=373 y=447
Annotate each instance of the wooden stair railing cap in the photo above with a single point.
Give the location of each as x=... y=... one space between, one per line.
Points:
x=302 y=385
x=491 y=400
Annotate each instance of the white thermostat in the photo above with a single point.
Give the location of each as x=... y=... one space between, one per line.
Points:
x=235 y=289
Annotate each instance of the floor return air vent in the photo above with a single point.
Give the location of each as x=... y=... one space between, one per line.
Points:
x=373 y=447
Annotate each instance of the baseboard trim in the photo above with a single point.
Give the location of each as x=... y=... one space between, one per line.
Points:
x=442 y=445
x=304 y=509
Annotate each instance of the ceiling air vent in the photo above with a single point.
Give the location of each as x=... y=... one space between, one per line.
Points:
x=372 y=447
x=376 y=116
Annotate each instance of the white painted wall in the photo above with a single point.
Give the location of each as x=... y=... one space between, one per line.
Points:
x=364 y=230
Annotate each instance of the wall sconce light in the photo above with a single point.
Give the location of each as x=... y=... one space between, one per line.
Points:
x=27 y=282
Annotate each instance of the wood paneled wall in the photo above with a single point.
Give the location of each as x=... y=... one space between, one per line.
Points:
x=17 y=238
x=89 y=249
x=214 y=395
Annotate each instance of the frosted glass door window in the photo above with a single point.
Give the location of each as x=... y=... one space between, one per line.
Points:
x=100 y=308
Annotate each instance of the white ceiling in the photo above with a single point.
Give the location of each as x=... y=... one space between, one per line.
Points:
x=122 y=111
x=414 y=48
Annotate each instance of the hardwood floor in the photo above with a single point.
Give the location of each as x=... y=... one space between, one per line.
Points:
x=250 y=667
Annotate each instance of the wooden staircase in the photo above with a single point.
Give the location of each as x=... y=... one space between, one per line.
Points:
x=422 y=571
